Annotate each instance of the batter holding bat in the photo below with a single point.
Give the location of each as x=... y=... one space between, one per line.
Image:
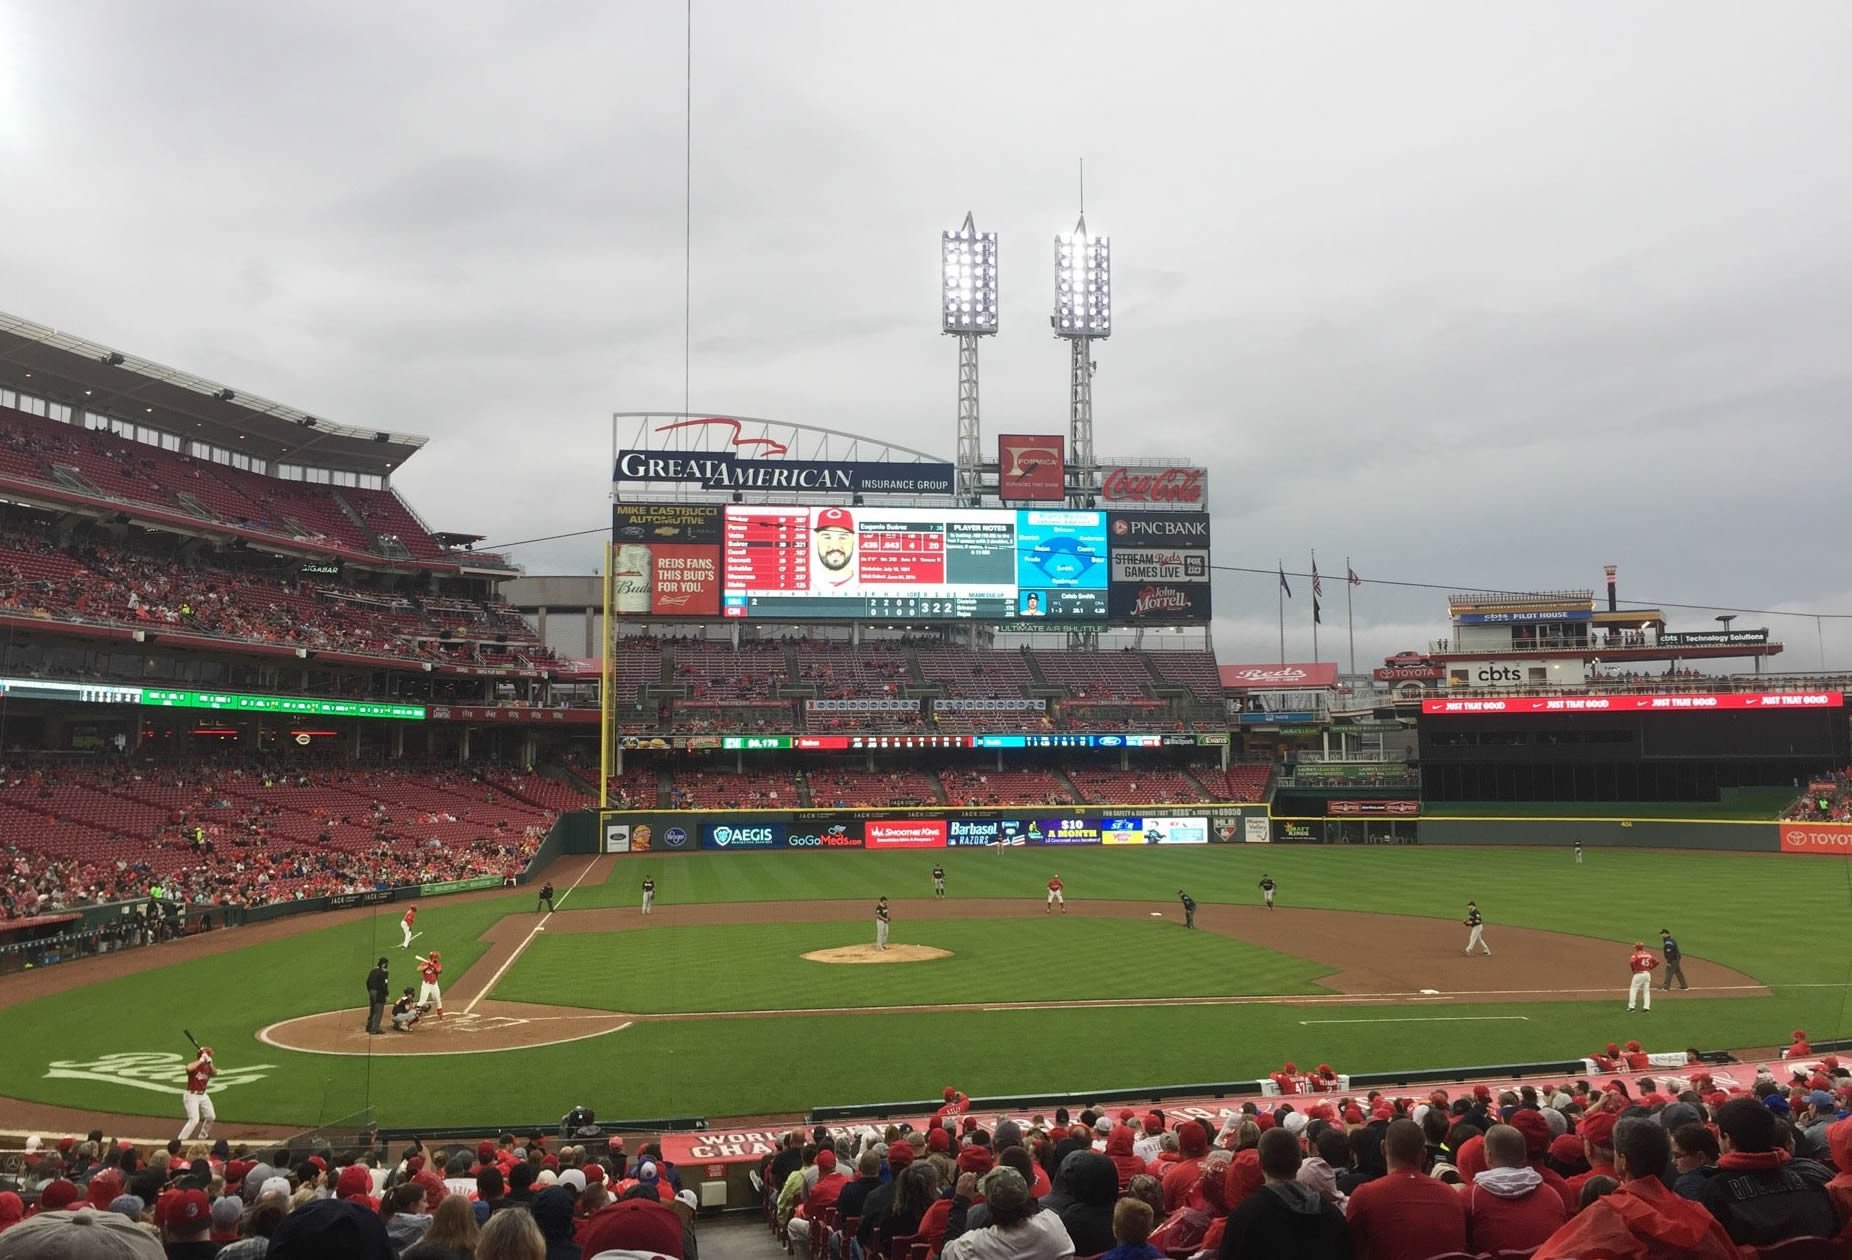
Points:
x=429 y=969
x=199 y=1112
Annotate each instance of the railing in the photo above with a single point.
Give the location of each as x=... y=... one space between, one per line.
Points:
x=1633 y=642
x=1660 y=684
x=1313 y=756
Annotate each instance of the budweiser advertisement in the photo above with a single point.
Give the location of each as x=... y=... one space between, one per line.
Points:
x=1703 y=702
x=1817 y=837
x=1158 y=602
x=1031 y=468
x=1174 y=486
x=1292 y=676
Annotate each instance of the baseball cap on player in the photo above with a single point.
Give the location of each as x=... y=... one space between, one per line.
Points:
x=1639 y=944
x=834 y=518
x=83 y=1235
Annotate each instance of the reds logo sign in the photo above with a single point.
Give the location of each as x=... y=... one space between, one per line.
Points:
x=1124 y=484
x=763 y=446
x=1031 y=467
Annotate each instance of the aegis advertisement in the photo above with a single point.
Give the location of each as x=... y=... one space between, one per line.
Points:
x=742 y=835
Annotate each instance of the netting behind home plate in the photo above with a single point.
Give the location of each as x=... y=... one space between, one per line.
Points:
x=348 y=1133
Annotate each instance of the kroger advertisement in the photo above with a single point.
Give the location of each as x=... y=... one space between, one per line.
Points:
x=815 y=830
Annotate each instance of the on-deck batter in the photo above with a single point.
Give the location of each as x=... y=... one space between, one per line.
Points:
x=405 y=926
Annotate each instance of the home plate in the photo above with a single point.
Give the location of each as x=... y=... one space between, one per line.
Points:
x=1430 y=992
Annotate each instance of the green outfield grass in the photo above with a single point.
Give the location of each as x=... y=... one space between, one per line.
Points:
x=760 y=966
x=1778 y=918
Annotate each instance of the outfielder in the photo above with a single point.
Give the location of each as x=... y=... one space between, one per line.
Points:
x=1266 y=889
x=199 y=1112
x=405 y=926
x=881 y=919
x=1578 y=853
x=649 y=893
x=1054 y=897
x=1641 y=964
x=938 y=881
x=428 y=992
x=1477 y=924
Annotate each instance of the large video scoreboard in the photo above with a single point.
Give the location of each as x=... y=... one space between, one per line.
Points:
x=806 y=563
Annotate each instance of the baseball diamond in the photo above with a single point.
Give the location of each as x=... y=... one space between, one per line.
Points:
x=720 y=959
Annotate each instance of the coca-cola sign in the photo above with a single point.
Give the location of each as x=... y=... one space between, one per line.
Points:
x=1177 y=485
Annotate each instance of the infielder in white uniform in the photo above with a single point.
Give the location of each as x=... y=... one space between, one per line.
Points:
x=881 y=915
x=1476 y=939
x=199 y=1112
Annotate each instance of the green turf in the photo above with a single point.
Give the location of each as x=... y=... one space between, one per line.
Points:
x=1776 y=917
x=760 y=966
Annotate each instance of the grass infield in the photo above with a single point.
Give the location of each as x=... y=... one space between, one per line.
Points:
x=1775 y=917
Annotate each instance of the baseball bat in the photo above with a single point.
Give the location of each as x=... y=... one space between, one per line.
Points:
x=190 y=1037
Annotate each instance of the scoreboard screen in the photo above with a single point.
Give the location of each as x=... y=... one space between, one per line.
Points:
x=914 y=564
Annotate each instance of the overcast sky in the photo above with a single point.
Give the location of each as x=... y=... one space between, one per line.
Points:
x=1479 y=295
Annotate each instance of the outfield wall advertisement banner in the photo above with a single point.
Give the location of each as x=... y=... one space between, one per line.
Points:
x=1817 y=837
x=632 y=832
x=1705 y=702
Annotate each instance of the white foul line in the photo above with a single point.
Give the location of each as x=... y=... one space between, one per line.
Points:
x=499 y=971
x=1422 y=1019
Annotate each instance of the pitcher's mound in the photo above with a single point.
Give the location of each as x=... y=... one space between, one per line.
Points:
x=869 y=954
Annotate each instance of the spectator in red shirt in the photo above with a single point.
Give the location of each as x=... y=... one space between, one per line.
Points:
x=1406 y=1215
x=1508 y=1206
x=1597 y=1132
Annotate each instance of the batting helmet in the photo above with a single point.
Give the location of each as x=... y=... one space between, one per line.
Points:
x=433 y=953
x=206 y=1051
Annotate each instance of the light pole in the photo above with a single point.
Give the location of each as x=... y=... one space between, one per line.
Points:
x=968 y=296
x=1083 y=314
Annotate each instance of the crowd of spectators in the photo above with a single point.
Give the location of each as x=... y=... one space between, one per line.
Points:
x=105 y=582
x=1648 y=1167
x=1828 y=799
x=512 y=1199
x=245 y=834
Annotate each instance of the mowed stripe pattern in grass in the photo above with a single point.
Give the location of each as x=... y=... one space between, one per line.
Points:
x=760 y=966
x=1748 y=910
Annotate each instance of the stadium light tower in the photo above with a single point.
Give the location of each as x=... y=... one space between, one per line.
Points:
x=1083 y=314
x=968 y=298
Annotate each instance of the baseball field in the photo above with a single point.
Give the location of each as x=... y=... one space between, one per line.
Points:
x=709 y=1007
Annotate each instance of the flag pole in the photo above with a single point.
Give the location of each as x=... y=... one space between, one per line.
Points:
x=1282 y=594
x=1315 y=656
x=1350 y=622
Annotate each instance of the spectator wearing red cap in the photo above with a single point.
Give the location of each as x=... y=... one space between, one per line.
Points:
x=58 y=1195
x=1405 y=1214
x=1608 y=1061
x=633 y=1228
x=1537 y=1136
x=12 y=1210
x=817 y=1199
x=1287 y=1078
x=1508 y=1206
x=1839 y=1189
x=1641 y=1218
x=1181 y=1177
x=186 y=1223
x=1596 y=1130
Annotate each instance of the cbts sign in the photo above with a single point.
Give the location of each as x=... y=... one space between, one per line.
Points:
x=1712 y=638
x=1031 y=468
x=1178 y=485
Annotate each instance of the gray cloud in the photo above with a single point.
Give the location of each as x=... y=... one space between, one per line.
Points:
x=1472 y=293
